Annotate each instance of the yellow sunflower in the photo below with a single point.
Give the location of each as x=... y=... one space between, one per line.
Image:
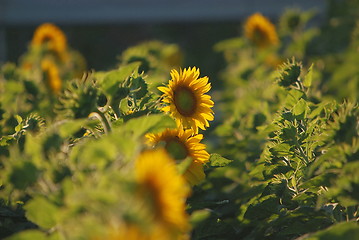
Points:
x=181 y=144
x=51 y=35
x=51 y=74
x=134 y=232
x=130 y=232
x=260 y=31
x=186 y=99
x=161 y=185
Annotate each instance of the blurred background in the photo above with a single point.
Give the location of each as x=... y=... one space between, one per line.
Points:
x=102 y=29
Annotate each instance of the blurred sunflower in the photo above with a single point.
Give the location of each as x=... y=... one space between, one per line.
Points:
x=51 y=75
x=161 y=185
x=134 y=232
x=260 y=31
x=188 y=103
x=131 y=232
x=181 y=144
x=51 y=35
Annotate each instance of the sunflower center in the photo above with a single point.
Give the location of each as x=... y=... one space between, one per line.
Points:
x=46 y=39
x=259 y=37
x=152 y=193
x=176 y=148
x=185 y=101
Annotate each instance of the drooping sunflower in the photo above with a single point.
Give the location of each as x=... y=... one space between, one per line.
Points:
x=260 y=31
x=164 y=188
x=51 y=35
x=181 y=144
x=186 y=99
x=51 y=75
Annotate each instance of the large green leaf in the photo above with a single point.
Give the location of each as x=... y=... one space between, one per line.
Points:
x=307 y=82
x=151 y=123
x=216 y=160
x=41 y=212
x=300 y=109
x=111 y=81
x=340 y=231
x=28 y=235
x=23 y=174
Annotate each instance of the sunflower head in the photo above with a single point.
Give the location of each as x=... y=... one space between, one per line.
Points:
x=161 y=185
x=289 y=73
x=51 y=75
x=186 y=99
x=51 y=36
x=181 y=144
x=79 y=98
x=260 y=31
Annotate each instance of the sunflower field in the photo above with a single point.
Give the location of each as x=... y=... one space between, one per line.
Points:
x=152 y=149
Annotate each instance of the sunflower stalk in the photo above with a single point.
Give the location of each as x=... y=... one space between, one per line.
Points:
x=103 y=119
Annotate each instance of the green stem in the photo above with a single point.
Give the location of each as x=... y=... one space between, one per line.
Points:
x=302 y=154
x=103 y=119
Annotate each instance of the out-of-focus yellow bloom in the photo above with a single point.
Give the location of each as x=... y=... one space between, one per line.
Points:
x=134 y=232
x=273 y=60
x=260 y=31
x=187 y=102
x=165 y=191
x=51 y=35
x=51 y=75
x=181 y=144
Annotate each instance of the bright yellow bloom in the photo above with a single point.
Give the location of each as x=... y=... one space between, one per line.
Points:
x=260 y=31
x=51 y=74
x=181 y=144
x=188 y=103
x=161 y=185
x=53 y=37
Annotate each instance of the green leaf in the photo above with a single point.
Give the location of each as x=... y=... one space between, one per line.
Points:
x=96 y=153
x=184 y=165
x=308 y=78
x=23 y=175
x=322 y=180
x=28 y=235
x=19 y=121
x=293 y=97
x=280 y=150
x=300 y=109
x=70 y=127
x=41 y=212
x=152 y=123
x=217 y=160
x=340 y=231
x=139 y=86
x=5 y=140
x=263 y=208
x=199 y=216
x=111 y=81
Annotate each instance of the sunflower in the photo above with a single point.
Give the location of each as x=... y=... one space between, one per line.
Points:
x=162 y=186
x=260 y=31
x=129 y=232
x=51 y=74
x=188 y=103
x=181 y=144
x=135 y=232
x=51 y=35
